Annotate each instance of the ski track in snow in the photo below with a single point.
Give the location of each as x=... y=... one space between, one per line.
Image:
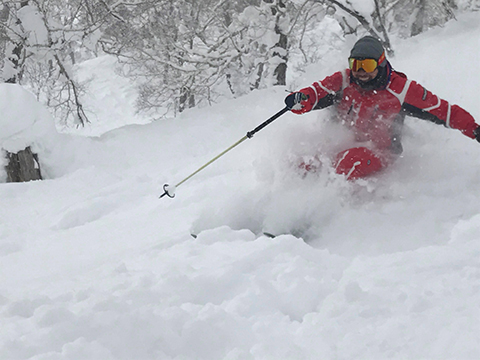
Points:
x=94 y=266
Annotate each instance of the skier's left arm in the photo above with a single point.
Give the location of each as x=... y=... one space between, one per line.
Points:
x=421 y=103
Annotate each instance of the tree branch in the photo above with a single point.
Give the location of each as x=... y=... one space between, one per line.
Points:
x=361 y=19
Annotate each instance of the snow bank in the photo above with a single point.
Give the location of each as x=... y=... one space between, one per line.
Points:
x=23 y=120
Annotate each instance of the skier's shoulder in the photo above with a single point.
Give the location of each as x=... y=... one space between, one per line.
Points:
x=337 y=81
x=397 y=80
x=340 y=74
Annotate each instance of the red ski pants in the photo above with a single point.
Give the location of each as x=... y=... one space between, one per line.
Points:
x=357 y=163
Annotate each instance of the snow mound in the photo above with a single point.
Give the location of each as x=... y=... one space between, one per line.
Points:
x=23 y=120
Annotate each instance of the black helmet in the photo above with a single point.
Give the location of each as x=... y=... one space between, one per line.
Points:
x=369 y=47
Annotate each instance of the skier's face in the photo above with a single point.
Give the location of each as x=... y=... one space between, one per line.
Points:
x=364 y=76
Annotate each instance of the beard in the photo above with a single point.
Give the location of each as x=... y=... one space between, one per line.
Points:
x=379 y=82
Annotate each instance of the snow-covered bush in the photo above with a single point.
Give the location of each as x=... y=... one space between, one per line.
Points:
x=24 y=122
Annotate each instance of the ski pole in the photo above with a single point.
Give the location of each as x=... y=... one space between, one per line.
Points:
x=170 y=190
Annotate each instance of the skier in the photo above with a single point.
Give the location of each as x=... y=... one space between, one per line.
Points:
x=372 y=100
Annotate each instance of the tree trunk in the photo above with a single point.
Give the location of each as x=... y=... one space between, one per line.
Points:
x=418 y=23
x=23 y=166
x=187 y=99
x=258 y=80
x=280 y=72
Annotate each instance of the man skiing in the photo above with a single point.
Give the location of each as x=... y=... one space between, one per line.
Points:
x=372 y=100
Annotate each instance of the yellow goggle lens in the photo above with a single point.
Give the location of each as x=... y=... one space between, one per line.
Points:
x=369 y=65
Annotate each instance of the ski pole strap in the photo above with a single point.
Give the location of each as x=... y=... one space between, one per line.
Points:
x=267 y=122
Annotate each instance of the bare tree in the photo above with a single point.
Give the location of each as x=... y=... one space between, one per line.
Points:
x=179 y=50
x=36 y=49
x=15 y=51
x=367 y=25
x=412 y=17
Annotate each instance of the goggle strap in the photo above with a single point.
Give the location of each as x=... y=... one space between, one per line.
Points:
x=381 y=59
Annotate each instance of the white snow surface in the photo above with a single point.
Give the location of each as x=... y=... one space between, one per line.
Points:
x=93 y=265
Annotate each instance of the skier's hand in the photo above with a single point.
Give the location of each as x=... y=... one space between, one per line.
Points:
x=301 y=101
x=476 y=132
x=294 y=100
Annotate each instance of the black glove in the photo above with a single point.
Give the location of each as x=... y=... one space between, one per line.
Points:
x=294 y=99
x=476 y=132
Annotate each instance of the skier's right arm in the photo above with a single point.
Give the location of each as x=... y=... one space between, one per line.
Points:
x=317 y=96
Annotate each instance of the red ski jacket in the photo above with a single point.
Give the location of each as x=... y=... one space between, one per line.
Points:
x=377 y=116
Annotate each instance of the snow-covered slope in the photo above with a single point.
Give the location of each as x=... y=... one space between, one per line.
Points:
x=94 y=266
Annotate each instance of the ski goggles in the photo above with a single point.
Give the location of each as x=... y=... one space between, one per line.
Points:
x=369 y=65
